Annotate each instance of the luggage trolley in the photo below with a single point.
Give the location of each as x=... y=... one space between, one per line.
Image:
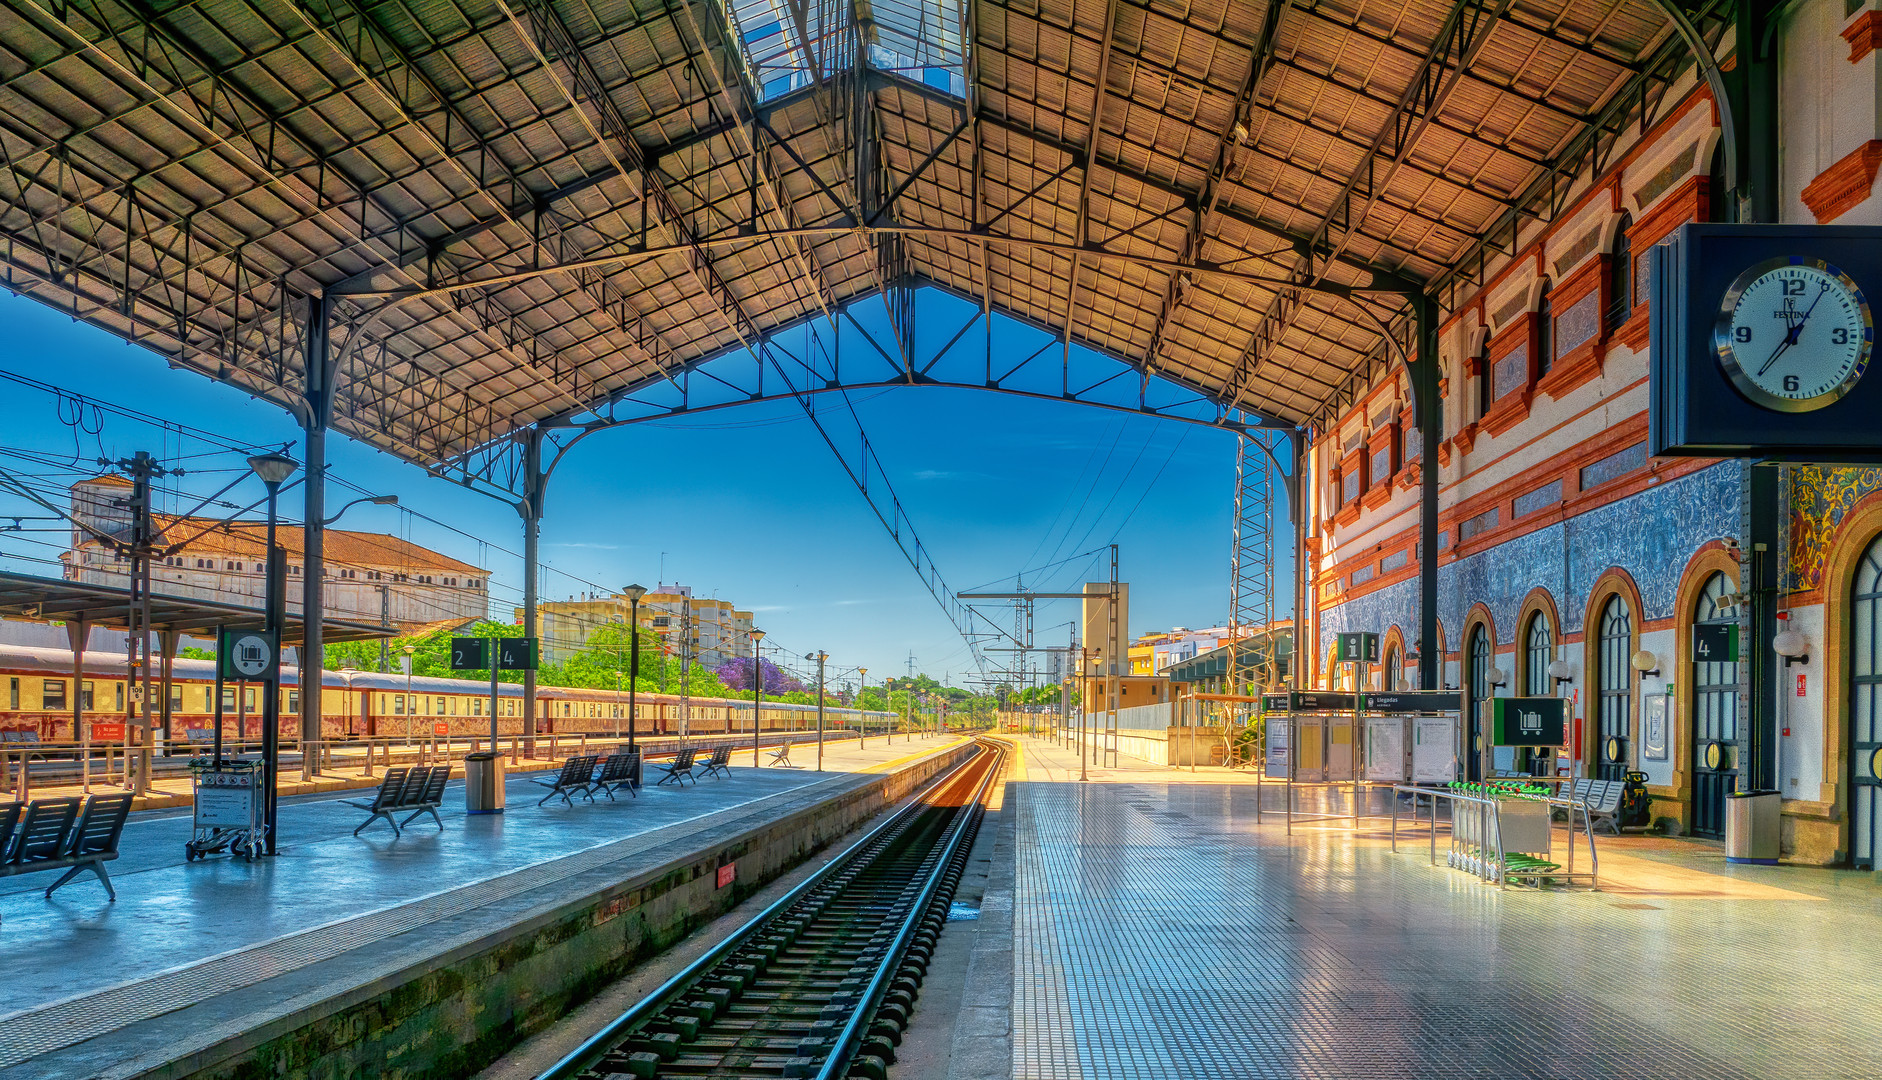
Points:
x=228 y=809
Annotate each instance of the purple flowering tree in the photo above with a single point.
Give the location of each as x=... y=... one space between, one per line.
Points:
x=736 y=675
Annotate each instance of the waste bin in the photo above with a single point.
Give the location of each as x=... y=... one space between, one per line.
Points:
x=1751 y=827
x=483 y=783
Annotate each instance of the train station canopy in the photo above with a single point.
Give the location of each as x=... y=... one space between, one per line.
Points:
x=38 y=599
x=519 y=211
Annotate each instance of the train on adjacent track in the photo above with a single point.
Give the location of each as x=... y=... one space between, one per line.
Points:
x=40 y=698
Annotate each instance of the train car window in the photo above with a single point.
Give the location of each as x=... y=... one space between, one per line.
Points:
x=228 y=699
x=176 y=698
x=477 y=706
x=52 y=694
x=248 y=698
x=13 y=693
x=441 y=706
x=294 y=701
x=398 y=704
x=209 y=699
x=85 y=696
x=120 y=689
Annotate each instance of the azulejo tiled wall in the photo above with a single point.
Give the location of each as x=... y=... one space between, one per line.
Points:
x=1821 y=497
x=1650 y=535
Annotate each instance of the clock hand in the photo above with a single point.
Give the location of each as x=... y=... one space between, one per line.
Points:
x=1791 y=335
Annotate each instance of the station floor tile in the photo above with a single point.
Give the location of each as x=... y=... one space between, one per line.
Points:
x=1160 y=932
x=180 y=932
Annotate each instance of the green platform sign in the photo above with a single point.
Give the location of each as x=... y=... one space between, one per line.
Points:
x=1715 y=643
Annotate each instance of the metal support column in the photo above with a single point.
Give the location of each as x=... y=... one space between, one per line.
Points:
x=1428 y=411
x=534 y=481
x=1297 y=511
x=314 y=421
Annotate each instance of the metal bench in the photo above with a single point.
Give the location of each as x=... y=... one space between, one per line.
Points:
x=781 y=757
x=76 y=834
x=619 y=770
x=681 y=768
x=719 y=764
x=1602 y=800
x=577 y=777
x=418 y=790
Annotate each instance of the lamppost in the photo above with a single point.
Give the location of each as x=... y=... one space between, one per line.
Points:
x=862 y=674
x=346 y=675
x=819 y=657
x=411 y=707
x=634 y=593
x=757 y=690
x=617 y=707
x=273 y=469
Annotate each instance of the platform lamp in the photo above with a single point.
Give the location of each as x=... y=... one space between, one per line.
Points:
x=633 y=594
x=1560 y=671
x=862 y=675
x=272 y=469
x=411 y=706
x=757 y=691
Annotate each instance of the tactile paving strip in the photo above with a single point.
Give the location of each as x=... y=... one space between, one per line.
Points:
x=27 y=1034
x=1159 y=934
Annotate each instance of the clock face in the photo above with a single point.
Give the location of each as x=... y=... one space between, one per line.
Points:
x=1794 y=334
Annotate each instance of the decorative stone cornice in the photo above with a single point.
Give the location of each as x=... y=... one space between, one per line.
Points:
x=1845 y=184
x=1864 y=34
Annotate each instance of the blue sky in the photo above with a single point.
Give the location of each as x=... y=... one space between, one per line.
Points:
x=747 y=503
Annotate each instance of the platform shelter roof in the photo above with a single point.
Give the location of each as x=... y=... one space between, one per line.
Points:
x=522 y=210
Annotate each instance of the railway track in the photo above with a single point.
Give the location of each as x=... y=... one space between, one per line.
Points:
x=822 y=982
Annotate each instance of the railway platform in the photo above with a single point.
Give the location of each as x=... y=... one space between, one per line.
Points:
x=1158 y=931
x=371 y=953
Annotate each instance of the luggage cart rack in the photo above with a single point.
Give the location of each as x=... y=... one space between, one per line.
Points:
x=228 y=812
x=1503 y=832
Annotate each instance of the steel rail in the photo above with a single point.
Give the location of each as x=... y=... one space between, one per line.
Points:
x=858 y=856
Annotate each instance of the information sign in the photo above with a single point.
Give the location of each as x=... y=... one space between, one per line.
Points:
x=1527 y=721
x=225 y=800
x=470 y=653
x=516 y=653
x=1273 y=703
x=108 y=729
x=1413 y=701
x=441 y=729
x=1714 y=643
x=1357 y=647
x=1653 y=743
x=1320 y=701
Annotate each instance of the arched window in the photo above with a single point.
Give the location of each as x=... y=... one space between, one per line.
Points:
x=1865 y=710
x=1477 y=678
x=1621 y=277
x=1616 y=682
x=1545 y=332
x=1538 y=651
x=1715 y=718
x=1391 y=669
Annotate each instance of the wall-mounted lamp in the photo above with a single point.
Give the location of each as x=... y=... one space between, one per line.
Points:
x=1561 y=671
x=1499 y=677
x=1646 y=663
x=1791 y=645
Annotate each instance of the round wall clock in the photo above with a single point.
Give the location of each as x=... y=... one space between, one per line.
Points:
x=1793 y=334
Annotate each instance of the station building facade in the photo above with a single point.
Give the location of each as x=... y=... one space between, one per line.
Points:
x=1572 y=562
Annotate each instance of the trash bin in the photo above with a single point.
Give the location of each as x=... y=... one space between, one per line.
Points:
x=1751 y=827
x=483 y=783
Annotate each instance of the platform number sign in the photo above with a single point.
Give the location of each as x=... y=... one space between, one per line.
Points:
x=1715 y=644
x=470 y=653
x=516 y=653
x=1357 y=647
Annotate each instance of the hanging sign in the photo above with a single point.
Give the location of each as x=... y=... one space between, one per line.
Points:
x=470 y=653
x=516 y=653
x=1715 y=643
x=1527 y=721
x=1357 y=647
x=1413 y=701
x=243 y=655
